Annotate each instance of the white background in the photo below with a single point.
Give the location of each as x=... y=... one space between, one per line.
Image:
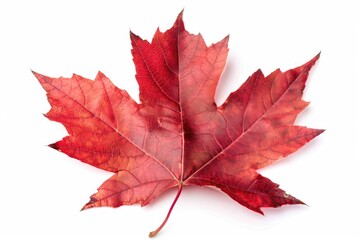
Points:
x=42 y=190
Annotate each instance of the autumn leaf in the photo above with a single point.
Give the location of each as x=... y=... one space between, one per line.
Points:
x=177 y=135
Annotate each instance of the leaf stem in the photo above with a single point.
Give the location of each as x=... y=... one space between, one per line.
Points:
x=153 y=233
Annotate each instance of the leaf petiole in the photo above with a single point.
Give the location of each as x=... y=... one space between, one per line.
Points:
x=153 y=233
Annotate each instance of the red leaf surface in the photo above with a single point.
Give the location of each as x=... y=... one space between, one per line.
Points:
x=177 y=135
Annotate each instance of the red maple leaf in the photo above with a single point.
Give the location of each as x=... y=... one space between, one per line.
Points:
x=177 y=135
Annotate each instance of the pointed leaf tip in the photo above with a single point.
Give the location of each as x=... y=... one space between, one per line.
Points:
x=180 y=15
x=89 y=205
x=308 y=65
x=320 y=131
x=84 y=208
x=224 y=41
x=133 y=36
x=317 y=56
x=313 y=60
x=36 y=74
x=179 y=21
x=54 y=146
